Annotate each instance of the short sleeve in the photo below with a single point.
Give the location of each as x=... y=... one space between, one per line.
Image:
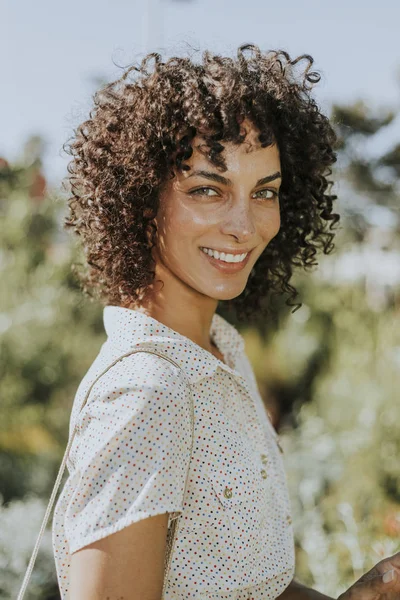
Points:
x=132 y=449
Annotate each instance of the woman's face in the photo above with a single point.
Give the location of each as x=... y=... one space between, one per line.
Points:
x=235 y=211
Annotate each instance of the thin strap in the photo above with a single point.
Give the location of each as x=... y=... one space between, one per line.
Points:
x=170 y=541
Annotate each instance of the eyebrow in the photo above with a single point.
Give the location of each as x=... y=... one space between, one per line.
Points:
x=220 y=179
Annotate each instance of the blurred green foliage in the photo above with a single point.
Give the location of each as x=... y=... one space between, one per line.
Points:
x=329 y=373
x=49 y=335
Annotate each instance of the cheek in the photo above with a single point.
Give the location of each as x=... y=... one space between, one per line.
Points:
x=270 y=227
x=182 y=223
x=178 y=231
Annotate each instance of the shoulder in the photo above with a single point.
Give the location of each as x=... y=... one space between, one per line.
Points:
x=140 y=392
x=120 y=384
x=144 y=370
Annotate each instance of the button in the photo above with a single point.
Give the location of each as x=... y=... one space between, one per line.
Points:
x=228 y=492
x=289 y=519
x=264 y=474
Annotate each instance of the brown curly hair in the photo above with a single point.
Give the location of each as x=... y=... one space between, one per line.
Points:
x=141 y=129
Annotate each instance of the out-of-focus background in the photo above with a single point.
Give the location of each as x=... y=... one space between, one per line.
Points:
x=329 y=373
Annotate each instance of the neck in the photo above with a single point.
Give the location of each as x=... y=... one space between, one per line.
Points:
x=181 y=308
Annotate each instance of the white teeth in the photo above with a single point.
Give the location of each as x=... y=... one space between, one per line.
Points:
x=232 y=258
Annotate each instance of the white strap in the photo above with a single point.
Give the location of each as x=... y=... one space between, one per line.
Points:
x=62 y=467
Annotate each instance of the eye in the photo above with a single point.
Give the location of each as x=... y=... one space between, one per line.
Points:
x=273 y=192
x=200 y=191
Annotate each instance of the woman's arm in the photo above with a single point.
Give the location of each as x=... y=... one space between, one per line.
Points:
x=128 y=564
x=297 y=591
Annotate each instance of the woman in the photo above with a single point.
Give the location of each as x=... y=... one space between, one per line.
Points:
x=193 y=184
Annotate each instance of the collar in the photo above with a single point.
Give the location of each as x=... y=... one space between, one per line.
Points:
x=127 y=328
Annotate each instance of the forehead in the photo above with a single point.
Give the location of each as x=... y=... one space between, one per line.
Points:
x=245 y=157
x=248 y=153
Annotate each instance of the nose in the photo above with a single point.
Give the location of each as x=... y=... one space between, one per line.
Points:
x=239 y=222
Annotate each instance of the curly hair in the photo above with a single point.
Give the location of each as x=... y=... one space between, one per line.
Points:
x=140 y=131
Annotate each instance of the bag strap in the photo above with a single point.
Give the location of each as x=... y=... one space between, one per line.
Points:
x=61 y=471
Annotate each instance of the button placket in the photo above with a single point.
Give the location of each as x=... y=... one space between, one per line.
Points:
x=260 y=435
x=268 y=458
x=265 y=464
x=255 y=408
x=253 y=417
x=251 y=414
x=266 y=444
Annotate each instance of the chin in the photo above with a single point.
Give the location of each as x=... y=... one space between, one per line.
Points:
x=227 y=294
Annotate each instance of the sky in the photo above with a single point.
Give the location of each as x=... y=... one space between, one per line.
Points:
x=53 y=54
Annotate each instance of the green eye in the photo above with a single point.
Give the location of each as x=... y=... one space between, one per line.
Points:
x=273 y=192
x=200 y=191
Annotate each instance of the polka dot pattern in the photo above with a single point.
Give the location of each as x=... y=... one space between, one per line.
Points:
x=130 y=458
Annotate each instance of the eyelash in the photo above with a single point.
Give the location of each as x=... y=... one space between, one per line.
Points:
x=195 y=192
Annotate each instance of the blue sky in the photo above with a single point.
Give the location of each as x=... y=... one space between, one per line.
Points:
x=52 y=53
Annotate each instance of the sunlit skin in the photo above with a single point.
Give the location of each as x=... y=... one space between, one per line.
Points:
x=241 y=214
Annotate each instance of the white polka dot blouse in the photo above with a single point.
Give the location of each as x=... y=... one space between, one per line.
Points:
x=130 y=459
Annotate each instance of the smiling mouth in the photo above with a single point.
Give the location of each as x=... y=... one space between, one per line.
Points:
x=226 y=257
x=225 y=266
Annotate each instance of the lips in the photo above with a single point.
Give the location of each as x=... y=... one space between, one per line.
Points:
x=226 y=253
x=226 y=267
x=234 y=252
